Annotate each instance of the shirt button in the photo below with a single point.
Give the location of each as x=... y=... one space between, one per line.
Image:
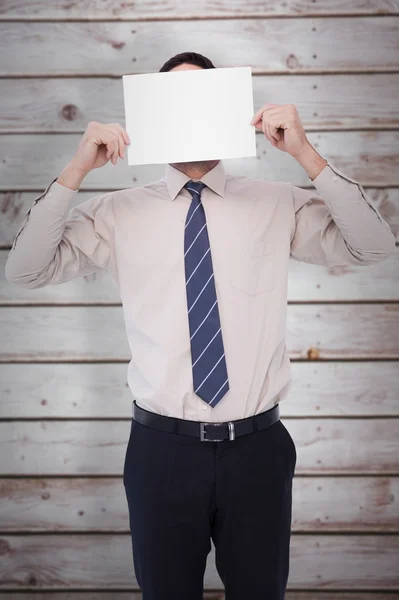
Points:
x=204 y=407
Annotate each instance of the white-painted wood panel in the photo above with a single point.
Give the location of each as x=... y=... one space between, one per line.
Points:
x=324 y=446
x=268 y=45
x=99 y=390
x=143 y=9
x=322 y=562
x=342 y=414
x=330 y=101
x=31 y=161
x=128 y=595
x=96 y=333
x=320 y=505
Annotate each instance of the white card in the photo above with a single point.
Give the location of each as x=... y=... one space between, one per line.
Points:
x=182 y=116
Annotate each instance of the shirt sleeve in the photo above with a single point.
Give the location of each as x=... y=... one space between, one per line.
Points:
x=337 y=223
x=56 y=243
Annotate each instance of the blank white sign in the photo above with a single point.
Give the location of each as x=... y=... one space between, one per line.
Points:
x=182 y=116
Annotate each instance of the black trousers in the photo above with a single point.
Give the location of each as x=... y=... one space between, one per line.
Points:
x=182 y=492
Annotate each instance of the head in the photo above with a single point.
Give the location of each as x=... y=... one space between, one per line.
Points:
x=184 y=62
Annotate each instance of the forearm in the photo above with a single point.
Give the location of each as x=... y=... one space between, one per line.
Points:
x=38 y=237
x=71 y=177
x=311 y=161
x=361 y=225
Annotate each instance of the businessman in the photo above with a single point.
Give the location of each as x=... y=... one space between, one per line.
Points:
x=200 y=259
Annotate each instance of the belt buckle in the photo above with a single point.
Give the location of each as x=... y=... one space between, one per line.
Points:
x=205 y=439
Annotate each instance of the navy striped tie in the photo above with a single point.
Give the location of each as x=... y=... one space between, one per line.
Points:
x=207 y=352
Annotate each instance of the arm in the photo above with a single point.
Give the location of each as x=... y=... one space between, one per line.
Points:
x=337 y=224
x=56 y=243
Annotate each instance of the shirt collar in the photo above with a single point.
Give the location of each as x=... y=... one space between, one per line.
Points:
x=214 y=179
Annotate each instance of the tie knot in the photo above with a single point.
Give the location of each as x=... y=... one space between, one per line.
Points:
x=195 y=187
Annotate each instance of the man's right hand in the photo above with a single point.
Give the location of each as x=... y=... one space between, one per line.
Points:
x=99 y=144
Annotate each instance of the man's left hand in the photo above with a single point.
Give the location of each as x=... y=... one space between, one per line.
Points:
x=282 y=126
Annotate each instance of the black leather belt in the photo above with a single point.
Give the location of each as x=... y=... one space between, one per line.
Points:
x=207 y=432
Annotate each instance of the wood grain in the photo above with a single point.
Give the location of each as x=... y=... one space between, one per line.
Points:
x=142 y=9
x=64 y=513
x=128 y=595
x=322 y=562
x=96 y=333
x=324 y=446
x=319 y=389
x=320 y=505
x=337 y=331
x=268 y=45
x=31 y=161
x=326 y=101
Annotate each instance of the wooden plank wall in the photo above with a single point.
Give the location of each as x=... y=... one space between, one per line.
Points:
x=65 y=406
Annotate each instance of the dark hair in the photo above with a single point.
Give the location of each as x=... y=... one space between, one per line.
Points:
x=192 y=58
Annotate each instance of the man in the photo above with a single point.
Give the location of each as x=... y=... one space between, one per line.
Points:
x=201 y=260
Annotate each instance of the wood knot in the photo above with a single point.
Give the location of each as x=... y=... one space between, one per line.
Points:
x=32 y=580
x=5 y=548
x=292 y=61
x=118 y=45
x=69 y=112
x=313 y=354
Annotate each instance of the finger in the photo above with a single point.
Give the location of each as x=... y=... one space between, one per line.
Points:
x=274 y=132
x=274 y=140
x=265 y=130
x=259 y=113
x=116 y=151
x=124 y=133
x=121 y=144
x=126 y=136
x=257 y=116
x=115 y=146
x=118 y=132
x=110 y=149
x=269 y=135
x=108 y=138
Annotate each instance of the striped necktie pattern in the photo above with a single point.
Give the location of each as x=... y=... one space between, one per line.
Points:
x=209 y=368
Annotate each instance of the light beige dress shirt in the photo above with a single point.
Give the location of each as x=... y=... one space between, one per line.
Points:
x=254 y=227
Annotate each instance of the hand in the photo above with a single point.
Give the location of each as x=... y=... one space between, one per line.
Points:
x=100 y=143
x=282 y=127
